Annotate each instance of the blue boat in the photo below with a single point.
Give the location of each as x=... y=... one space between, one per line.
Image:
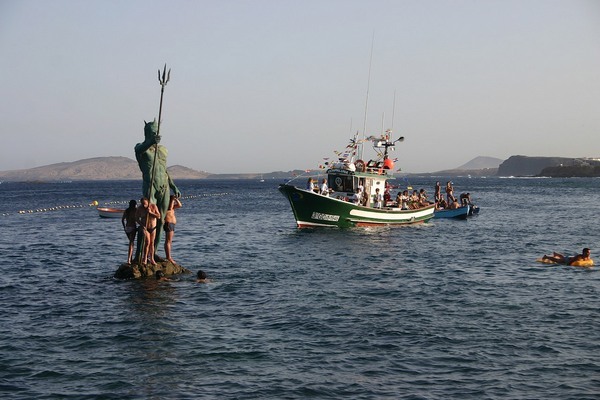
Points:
x=458 y=213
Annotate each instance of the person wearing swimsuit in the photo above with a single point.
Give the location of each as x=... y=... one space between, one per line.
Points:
x=561 y=259
x=146 y=215
x=169 y=226
x=129 y=225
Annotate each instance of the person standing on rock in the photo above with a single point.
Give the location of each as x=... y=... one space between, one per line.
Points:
x=129 y=225
x=157 y=184
x=147 y=217
x=170 y=221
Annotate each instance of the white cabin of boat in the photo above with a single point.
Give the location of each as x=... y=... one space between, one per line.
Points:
x=343 y=179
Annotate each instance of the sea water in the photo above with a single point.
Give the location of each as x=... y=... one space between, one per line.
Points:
x=444 y=310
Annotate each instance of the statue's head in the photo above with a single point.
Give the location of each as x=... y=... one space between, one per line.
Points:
x=150 y=128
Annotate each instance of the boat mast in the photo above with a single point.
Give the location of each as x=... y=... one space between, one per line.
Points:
x=388 y=133
x=393 y=111
x=367 y=100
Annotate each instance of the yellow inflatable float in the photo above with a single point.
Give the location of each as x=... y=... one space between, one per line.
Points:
x=580 y=260
x=581 y=263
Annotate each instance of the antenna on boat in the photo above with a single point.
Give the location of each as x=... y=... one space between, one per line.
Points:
x=393 y=111
x=387 y=144
x=367 y=99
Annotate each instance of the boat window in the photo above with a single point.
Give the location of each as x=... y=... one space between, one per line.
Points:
x=341 y=183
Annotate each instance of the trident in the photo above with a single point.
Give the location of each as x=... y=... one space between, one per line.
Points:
x=163 y=82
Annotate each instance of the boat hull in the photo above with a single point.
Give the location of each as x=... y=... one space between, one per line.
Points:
x=107 y=212
x=314 y=210
x=458 y=213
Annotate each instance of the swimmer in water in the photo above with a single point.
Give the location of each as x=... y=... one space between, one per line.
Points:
x=201 y=277
x=560 y=259
x=160 y=276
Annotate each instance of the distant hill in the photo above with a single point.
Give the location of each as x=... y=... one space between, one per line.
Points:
x=181 y=172
x=121 y=168
x=479 y=166
x=526 y=166
x=99 y=168
x=481 y=163
x=559 y=167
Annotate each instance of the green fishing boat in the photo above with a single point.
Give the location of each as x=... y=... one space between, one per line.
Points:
x=353 y=194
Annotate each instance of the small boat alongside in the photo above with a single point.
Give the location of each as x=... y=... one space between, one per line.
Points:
x=354 y=192
x=108 y=212
x=462 y=212
x=457 y=213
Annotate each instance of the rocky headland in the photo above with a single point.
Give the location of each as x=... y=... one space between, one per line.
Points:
x=558 y=167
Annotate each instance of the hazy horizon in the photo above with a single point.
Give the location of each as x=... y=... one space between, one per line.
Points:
x=239 y=172
x=279 y=85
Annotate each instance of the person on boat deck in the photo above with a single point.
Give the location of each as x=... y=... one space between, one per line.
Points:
x=441 y=205
x=450 y=192
x=147 y=215
x=423 y=202
x=465 y=199
x=387 y=197
x=356 y=196
x=169 y=226
x=324 y=189
x=454 y=205
x=560 y=259
x=413 y=200
x=404 y=200
x=378 y=199
x=310 y=185
x=438 y=192
x=129 y=225
x=399 y=199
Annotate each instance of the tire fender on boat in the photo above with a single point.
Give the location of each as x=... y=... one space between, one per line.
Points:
x=360 y=166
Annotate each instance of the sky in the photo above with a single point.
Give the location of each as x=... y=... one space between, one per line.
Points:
x=275 y=85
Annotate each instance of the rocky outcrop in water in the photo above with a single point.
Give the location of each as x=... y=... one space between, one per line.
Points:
x=136 y=271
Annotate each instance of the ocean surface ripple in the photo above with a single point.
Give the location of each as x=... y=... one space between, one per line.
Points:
x=443 y=310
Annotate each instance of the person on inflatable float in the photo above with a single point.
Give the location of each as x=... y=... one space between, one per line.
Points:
x=560 y=259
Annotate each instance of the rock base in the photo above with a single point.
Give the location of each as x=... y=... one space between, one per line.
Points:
x=136 y=271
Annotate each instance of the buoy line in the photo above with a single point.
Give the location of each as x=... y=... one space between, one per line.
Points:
x=96 y=204
x=55 y=208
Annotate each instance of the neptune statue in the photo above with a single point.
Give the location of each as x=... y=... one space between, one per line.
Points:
x=157 y=184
